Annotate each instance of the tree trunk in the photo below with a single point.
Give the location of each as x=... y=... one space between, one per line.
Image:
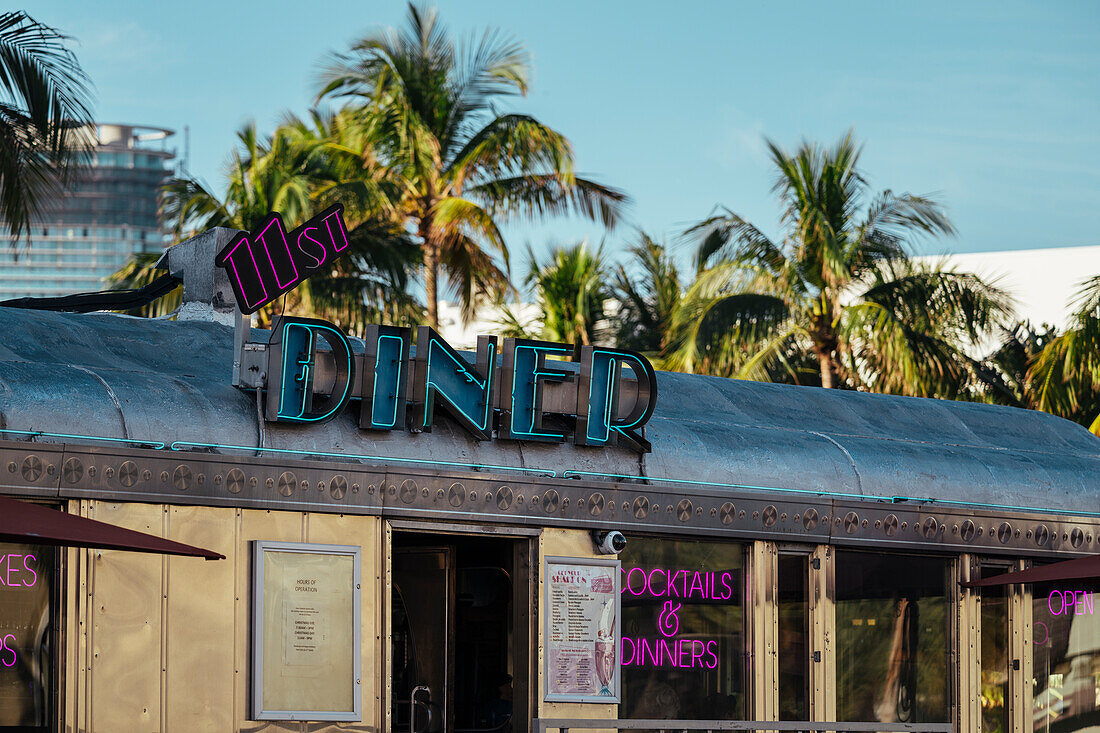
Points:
x=431 y=271
x=825 y=346
x=824 y=359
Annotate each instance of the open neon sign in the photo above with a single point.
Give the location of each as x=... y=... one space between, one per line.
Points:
x=268 y=262
x=1077 y=602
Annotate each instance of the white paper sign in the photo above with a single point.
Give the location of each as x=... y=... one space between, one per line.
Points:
x=582 y=630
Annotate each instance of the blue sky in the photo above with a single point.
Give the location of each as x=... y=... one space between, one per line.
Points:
x=994 y=106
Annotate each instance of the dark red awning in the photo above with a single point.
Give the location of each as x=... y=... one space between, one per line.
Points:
x=21 y=521
x=1079 y=568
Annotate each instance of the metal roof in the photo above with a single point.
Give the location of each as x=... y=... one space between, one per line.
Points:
x=164 y=381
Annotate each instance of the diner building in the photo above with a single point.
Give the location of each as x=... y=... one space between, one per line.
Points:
x=172 y=559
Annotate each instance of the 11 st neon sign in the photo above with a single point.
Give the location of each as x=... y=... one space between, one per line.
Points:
x=264 y=264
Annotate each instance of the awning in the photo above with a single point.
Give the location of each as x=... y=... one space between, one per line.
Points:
x=40 y=525
x=1079 y=568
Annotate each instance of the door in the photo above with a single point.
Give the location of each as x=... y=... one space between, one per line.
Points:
x=422 y=629
x=462 y=629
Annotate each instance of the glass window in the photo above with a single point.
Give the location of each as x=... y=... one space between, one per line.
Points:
x=994 y=636
x=794 y=637
x=893 y=629
x=1065 y=657
x=26 y=635
x=683 y=630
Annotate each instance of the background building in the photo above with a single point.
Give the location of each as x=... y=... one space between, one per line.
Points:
x=108 y=213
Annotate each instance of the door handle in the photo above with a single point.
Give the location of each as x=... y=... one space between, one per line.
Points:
x=412 y=708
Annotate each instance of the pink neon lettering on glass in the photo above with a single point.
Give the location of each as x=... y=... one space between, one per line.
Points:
x=262 y=238
x=30 y=570
x=10 y=646
x=10 y=568
x=230 y=257
x=336 y=246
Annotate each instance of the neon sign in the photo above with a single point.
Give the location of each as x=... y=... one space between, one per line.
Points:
x=1081 y=603
x=502 y=390
x=268 y=262
x=666 y=582
x=667 y=651
x=8 y=646
x=14 y=569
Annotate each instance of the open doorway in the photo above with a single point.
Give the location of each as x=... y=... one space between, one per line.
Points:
x=459 y=665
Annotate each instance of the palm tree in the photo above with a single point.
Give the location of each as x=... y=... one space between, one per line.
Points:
x=45 y=118
x=465 y=168
x=302 y=168
x=647 y=301
x=1064 y=376
x=840 y=288
x=572 y=294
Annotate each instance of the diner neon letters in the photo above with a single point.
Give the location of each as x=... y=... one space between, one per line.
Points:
x=670 y=583
x=264 y=264
x=1075 y=602
x=503 y=389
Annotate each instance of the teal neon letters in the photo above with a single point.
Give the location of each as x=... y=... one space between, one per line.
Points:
x=524 y=369
x=291 y=365
x=509 y=392
x=466 y=391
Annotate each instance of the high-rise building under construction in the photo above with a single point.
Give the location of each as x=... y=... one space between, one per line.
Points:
x=108 y=213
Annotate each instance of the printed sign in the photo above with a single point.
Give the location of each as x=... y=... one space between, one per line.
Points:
x=306 y=634
x=582 y=630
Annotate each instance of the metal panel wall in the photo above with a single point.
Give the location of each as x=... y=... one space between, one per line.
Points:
x=162 y=644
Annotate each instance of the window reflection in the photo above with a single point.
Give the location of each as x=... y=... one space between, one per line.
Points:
x=26 y=654
x=683 y=638
x=1065 y=657
x=994 y=668
x=794 y=643
x=892 y=620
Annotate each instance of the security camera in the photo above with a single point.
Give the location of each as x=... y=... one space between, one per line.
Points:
x=609 y=543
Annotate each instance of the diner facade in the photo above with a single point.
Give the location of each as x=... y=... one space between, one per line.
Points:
x=791 y=554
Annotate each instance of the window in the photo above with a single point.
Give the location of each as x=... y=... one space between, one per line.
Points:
x=1065 y=657
x=893 y=630
x=27 y=644
x=683 y=630
x=994 y=640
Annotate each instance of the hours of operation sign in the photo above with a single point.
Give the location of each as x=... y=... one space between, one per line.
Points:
x=306 y=648
x=582 y=630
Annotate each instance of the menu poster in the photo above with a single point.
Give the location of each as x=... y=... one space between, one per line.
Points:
x=306 y=649
x=582 y=629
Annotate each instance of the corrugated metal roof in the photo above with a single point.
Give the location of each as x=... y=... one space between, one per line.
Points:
x=113 y=376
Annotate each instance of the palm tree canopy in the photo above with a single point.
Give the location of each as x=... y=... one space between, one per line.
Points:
x=572 y=293
x=45 y=117
x=466 y=168
x=840 y=287
x=647 y=299
x=1064 y=376
x=305 y=166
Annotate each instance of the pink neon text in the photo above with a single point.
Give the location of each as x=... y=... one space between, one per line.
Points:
x=9 y=647
x=669 y=583
x=1077 y=602
x=16 y=571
